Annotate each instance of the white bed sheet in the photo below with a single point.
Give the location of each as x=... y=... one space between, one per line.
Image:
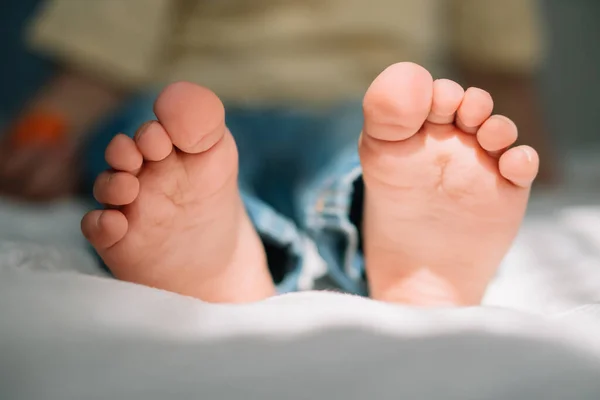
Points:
x=74 y=336
x=67 y=331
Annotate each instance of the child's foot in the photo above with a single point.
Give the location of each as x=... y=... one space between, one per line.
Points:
x=175 y=219
x=444 y=198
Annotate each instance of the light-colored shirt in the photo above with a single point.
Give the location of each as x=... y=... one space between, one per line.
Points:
x=283 y=50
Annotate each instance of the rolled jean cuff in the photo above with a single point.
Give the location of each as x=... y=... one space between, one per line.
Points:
x=293 y=258
x=333 y=209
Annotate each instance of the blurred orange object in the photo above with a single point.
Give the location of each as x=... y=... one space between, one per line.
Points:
x=39 y=128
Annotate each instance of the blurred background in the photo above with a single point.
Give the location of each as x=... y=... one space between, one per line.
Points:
x=77 y=72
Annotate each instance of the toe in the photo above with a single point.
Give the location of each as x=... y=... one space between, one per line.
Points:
x=123 y=155
x=447 y=97
x=116 y=188
x=519 y=165
x=497 y=133
x=193 y=116
x=104 y=228
x=153 y=141
x=398 y=102
x=476 y=107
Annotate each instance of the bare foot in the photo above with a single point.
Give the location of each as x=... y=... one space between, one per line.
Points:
x=176 y=220
x=444 y=196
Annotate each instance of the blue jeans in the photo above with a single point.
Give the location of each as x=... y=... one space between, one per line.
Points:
x=300 y=180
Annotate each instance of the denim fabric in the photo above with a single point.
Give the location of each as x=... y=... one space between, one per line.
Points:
x=298 y=172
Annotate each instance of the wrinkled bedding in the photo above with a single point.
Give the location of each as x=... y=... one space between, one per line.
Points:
x=73 y=336
x=68 y=331
x=553 y=266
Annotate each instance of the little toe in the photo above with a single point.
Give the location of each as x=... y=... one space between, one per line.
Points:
x=193 y=116
x=398 y=102
x=497 y=133
x=476 y=107
x=104 y=228
x=153 y=141
x=116 y=188
x=123 y=155
x=447 y=97
x=519 y=165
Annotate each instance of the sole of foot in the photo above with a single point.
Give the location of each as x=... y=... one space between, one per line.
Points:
x=174 y=218
x=445 y=194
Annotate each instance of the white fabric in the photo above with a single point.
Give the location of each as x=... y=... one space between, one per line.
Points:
x=553 y=266
x=72 y=336
x=69 y=332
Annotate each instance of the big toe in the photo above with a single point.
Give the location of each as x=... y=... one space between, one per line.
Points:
x=398 y=102
x=193 y=116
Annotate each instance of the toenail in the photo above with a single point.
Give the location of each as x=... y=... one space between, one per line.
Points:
x=528 y=154
x=502 y=118
x=142 y=129
x=98 y=219
x=109 y=177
